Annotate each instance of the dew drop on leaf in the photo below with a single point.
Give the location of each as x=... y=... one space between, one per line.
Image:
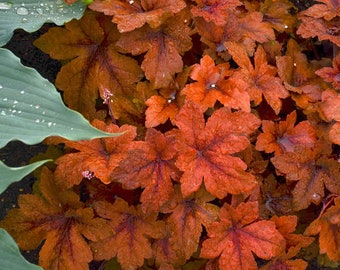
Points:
x=22 y=11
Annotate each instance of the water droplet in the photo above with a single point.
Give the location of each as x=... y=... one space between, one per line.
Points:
x=19 y=111
x=5 y=5
x=23 y=20
x=131 y=2
x=22 y=11
x=54 y=124
x=294 y=64
x=62 y=10
x=1 y=86
x=37 y=120
x=49 y=124
x=43 y=112
x=286 y=26
x=72 y=128
x=5 y=99
x=40 y=11
x=3 y=113
x=22 y=92
x=15 y=102
x=37 y=106
x=212 y=85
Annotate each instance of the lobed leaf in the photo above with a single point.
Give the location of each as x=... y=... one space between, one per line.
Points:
x=205 y=150
x=238 y=235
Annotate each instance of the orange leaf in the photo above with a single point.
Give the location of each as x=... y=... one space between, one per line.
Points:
x=328 y=227
x=98 y=156
x=284 y=136
x=331 y=74
x=131 y=234
x=260 y=79
x=163 y=46
x=278 y=14
x=59 y=218
x=238 y=234
x=186 y=220
x=151 y=165
x=324 y=30
x=286 y=225
x=294 y=68
x=167 y=103
x=214 y=11
x=211 y=86
x=312 y=171
x=254 y=28
x=129 y=15
x=205 y=150
x=329 y=106
x=326 y=9
x=89 y=45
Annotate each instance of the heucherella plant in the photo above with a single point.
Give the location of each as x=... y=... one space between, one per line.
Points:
x=228 y=148
x=30 y=107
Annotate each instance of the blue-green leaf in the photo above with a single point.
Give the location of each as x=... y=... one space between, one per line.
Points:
x=9 y=175
x=10 y=256
x=30 y=15
x=31 y=109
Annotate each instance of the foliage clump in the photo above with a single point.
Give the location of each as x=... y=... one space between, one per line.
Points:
x=229 y=152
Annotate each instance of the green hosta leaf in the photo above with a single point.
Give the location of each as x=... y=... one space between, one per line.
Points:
x=31 y=109
x=9 y=175
x=30 y=15
x=10 y=256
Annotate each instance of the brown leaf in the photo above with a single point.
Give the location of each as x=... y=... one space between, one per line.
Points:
x=205 y=150
x=93 y=61
x=238 y=234
x=131 y=234
x=129 y=15
x=327 y=226
x=163 y=46
x=59 y=218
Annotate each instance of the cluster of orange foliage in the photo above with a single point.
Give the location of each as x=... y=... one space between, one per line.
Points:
x=228 y=157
